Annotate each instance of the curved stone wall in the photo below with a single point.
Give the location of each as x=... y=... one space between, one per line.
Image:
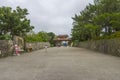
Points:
x=107 y=46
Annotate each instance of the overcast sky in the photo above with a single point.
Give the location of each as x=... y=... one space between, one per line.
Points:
x=50 y=15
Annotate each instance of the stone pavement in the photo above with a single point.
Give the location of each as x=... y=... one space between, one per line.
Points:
x=61 y=63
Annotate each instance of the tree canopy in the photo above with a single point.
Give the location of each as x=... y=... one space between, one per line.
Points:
x=14 y=22
x=97 y=20
x=41 y=36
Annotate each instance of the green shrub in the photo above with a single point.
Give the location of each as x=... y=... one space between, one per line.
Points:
x=115 y=35
x=5 y=37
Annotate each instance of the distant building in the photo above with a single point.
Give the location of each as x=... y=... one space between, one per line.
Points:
x=62 y=40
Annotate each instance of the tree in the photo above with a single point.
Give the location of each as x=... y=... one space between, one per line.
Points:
x=44 y=36
x=14 y=21
x=51 y=37
x=102 y=16
x=41 y=36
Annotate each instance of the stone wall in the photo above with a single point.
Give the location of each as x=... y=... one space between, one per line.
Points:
x=108 y=46
x=37 y=46
x=7 y=48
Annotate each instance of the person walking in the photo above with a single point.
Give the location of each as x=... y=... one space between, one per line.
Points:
x=46 y=48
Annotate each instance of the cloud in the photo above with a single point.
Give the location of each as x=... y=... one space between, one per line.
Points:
x=16 y=1
x=50 y=15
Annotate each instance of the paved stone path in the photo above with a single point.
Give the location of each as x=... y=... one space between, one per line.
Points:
x=61 y=64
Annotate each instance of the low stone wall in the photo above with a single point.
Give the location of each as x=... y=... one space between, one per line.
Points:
x=108 y=46
x=37 y=45
x=6 y=48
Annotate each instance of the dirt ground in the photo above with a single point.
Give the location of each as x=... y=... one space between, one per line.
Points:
x=60 y=63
